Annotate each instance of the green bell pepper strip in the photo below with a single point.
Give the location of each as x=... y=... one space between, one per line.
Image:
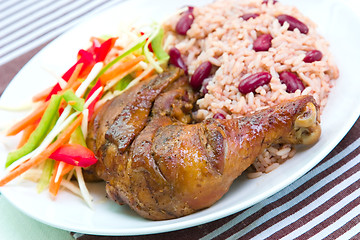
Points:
x=45 y=175
x=148 y=54
x=78 y=137
x=123 y=83
x=156 y=44
x=69 y=96
x=39 y=133
x=49 y=164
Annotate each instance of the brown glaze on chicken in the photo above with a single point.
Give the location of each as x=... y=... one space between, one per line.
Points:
x=163 y=167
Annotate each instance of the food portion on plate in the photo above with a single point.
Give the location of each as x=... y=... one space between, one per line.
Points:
x=170 y=115
x=260 y=53
x=153 y=159
x=52 y=150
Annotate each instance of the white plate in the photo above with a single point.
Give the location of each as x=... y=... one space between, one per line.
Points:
x=337 y=22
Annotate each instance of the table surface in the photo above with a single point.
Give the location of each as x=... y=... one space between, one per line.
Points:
x=322 y=203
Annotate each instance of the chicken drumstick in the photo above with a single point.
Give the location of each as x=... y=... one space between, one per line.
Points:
x=170 y=168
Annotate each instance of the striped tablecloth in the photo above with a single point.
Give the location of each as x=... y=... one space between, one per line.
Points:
x=324 y=203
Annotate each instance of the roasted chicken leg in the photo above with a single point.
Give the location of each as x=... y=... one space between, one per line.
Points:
x=168 y=168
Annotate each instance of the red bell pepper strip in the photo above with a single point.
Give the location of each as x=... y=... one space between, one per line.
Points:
x=102 y=51
x=74 y=154
x=88 y=62
x=96 y=53
x=91 y=107
x=150 y=46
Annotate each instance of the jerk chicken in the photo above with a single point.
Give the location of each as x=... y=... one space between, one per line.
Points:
x=156 y=160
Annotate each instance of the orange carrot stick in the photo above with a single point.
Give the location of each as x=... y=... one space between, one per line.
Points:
x=74 y=76
x=26 y=134
x=54 y=186
x=149 y=74
x=107 y=76
x=138 y=73
x=62 y=139
x=41 y=96
x=71 y=103
x=30 y=119
x=67 y=168
x=74 y=86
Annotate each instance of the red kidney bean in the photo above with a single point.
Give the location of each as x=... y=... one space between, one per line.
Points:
x=291 y=81
x=312 y=56
x=252 y=82
x=219 y=116
x=293 y=23
x=247 y=16
x=185 y=21
x=204 y=89
x=262 y=43
x=176 y=59
x=202 y=72
x=267 y=1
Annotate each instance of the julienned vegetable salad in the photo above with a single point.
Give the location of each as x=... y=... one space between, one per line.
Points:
x=53 y=135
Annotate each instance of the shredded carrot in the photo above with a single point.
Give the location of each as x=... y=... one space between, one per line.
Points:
x=100 y=40
x=74 y=86
x=138 y=73
x=41 y=96
x=62 y=139
x=26 y=134
x=30 y=119
x=54 y=186
x=107 y=76
x=149 y=74
x=71 y=102
x=74 y=77
x=67 y=168
x=117 y=47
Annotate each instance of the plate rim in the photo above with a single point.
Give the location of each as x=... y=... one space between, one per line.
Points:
x=174 y=224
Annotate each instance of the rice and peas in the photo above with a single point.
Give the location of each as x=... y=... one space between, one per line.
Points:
x=222 y=35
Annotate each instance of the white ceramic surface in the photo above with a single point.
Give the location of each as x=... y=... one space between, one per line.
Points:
x=336 y=21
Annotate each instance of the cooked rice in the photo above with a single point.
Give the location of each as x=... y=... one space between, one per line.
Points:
x=219 y=35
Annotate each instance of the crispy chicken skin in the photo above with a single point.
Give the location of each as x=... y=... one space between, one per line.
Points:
x=169 y=168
